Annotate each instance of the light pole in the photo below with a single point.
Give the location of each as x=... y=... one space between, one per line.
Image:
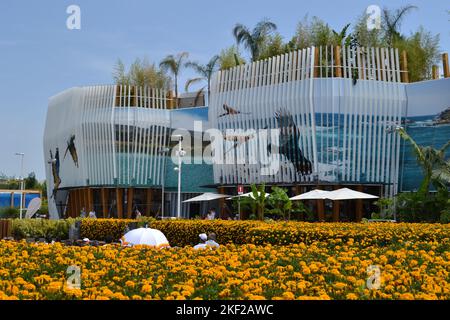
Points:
x=21 y=182
x=180 y=153
x=164 y=152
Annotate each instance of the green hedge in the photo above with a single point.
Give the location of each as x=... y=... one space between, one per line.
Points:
x=185 y=232
x=41 y=228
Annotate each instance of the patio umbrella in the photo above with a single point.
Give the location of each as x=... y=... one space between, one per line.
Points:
x=248 y=195
x=348 y=194
x=207 y=196
x=146 y=236
x=312 y=195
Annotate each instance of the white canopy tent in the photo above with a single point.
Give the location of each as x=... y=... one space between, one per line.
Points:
x=348 y=194
x=316 y=194
x=207 y=196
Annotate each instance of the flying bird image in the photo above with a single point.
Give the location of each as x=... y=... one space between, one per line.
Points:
x=73 y=151
x=288 y=145
x=55 y=172
x=238 y=140
x=229 y=111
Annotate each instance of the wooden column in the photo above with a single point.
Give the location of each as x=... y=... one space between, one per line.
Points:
x=170 y=98
x=337 y=61
x=149 y=201
x=321 y=209
x=435 y=72
x=119 y=199
x=79 y=201
x=221 y=202
x=316 y=62
x=445 y=65
x=404 y=67
x=73 y=204
x=320 y=204
x=104 y=199
x=359 y=205
x=129 y=202
x=336 y=208
x=90 y=199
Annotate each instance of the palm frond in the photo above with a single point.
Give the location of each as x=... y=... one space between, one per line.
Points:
x=169 y=63
x=197 y=67
x=417 y=149
x=191 y=82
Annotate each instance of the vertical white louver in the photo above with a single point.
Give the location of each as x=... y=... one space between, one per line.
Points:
x=344 y=122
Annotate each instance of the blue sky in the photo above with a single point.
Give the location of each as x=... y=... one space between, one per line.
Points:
x=40 y=56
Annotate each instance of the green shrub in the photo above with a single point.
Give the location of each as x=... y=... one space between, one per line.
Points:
x=41 y=228
x=9 y=213
x=445 y=214
x=185 y=232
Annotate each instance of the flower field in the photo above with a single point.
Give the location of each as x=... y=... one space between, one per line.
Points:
x=337 y=268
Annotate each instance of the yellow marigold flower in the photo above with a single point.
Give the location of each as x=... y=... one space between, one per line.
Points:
x=288 y=295
x=351 y=296
x=406 y=296
x=340 y=285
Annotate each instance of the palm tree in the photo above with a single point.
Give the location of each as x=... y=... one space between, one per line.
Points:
x=392 y=21
x=205 y=72
x=339 y=37
x=432 y=161
x=253 y=40
x=173 y=64
x=259 y=199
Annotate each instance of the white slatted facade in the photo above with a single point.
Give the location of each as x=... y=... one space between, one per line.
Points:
x=118 y=131
x=344 y=127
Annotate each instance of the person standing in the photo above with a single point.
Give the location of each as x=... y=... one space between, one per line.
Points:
x=92 y=215
x=83 y=213
x=137 y=214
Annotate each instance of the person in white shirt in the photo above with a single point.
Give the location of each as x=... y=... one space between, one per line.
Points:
x=203 y=237
x=138 y=214
x=211 y=242
x=211 y=214
x=92 y=215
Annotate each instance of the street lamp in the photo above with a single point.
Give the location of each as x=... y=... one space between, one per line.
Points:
x=164 y=152
x=21 y=154
x=180 y=153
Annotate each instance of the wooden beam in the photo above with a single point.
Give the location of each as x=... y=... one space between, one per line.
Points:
x=404 y=67
x=337 y=61
x=129 y=202
x=445 y=65
x=435 y=72
x=119 y=199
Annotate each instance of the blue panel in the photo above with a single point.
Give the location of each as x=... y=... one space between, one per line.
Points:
x=5 y=200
